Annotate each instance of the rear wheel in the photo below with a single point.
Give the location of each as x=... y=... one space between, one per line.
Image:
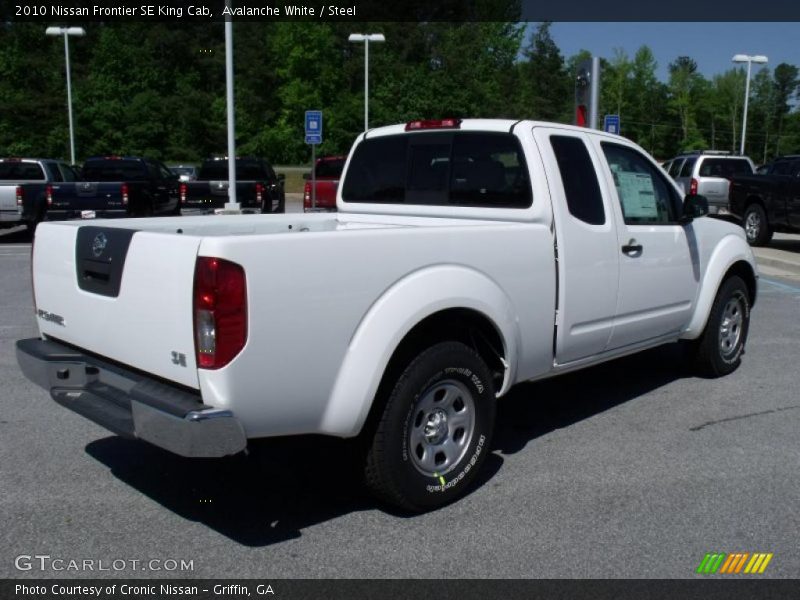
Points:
x=435 y=430
x=719 y=350
x=756 y=226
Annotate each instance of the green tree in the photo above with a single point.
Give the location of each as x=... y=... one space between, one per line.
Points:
x=684 y=86
x=546 y=89
x=725 y=98
x=647 y=97
x=616 y=82
x=762 y=112
x=786 y=85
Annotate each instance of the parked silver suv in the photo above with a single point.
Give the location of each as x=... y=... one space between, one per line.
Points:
x=709 y=173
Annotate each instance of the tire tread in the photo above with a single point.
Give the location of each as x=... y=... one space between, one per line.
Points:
x=375 y=475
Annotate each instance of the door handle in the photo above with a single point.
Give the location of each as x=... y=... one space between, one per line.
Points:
x=632 y=248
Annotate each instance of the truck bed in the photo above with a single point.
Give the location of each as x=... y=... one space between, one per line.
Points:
x=302 y=285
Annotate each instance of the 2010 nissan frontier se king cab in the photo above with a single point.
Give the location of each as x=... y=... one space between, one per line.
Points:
x=466 y=256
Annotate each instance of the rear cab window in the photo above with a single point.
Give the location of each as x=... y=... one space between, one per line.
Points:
x=21 y=171
x=781 y=167
x=329 y=169
x=724 y=168
x=457 y=168
x=115 y=170
x=246 y=170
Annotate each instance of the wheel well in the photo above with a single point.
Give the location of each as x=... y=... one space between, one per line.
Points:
x=472 y=328
x=754 y=200
x=745 y=271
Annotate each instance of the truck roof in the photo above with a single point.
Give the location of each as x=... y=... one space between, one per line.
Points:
x=116 y=157
x=15 y=159
x=500 y=125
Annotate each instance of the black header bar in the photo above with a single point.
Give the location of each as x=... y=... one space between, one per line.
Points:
x=357 y=11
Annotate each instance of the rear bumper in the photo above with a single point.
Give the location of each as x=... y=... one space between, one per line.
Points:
x=191 y=211
x=89 y=214
x=11 y=216
x=718 y=208
x=130 y=404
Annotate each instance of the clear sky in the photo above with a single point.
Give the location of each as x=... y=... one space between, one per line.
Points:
x=712 y=45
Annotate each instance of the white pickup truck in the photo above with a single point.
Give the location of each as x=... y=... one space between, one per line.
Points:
x=465 y=257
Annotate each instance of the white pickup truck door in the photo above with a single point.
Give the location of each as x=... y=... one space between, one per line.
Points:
x=588 y=253
x=659 y=267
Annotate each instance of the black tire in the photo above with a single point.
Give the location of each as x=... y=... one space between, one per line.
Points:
x=434 y=431
x=719 y=349
x=756 y=226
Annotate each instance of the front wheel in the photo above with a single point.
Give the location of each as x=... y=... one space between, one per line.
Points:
x=719 y=350
x=435 y=430
x=756 y=226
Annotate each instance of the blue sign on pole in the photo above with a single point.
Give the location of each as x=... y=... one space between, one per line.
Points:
x=611 y=124
x=313 y=127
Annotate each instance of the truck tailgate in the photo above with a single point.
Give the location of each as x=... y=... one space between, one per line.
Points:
x=120 y=293
x=8 y=202
x=86 y=195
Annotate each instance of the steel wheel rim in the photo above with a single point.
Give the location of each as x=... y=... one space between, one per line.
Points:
x=752 y=225
x=730 y=329
x=441 y=427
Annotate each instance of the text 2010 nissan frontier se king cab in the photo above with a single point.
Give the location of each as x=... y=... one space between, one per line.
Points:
x=466 y=256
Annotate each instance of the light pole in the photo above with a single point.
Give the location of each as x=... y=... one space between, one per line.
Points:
x=66 y=32
x=366 y=38
x=232 y=205
x=742 y=58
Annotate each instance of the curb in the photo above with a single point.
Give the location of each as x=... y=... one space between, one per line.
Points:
x=777 y=263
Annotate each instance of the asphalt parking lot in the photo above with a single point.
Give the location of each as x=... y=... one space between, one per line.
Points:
x=632 y=469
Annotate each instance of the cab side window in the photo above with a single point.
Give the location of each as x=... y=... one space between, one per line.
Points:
x=67 y=173
x=675 y=167
x=165 y=173
x=688 y=165
x=645 y=196
x=578 y=176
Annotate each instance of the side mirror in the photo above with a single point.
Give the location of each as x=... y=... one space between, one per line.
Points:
x=306 y=176
x=281 y=177
x=694 y=206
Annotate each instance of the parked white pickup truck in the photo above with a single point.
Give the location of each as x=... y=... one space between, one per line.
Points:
x=465 y=257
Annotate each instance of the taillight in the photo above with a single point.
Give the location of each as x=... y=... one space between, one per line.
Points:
x=124 y=191
x=693 y=186
x=220 y=311
x=48 y=194
x=20 y=195
x=307 y=195
x=183 y=193
x=259 y=192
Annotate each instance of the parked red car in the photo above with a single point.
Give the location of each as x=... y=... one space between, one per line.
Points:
x=327 y=172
